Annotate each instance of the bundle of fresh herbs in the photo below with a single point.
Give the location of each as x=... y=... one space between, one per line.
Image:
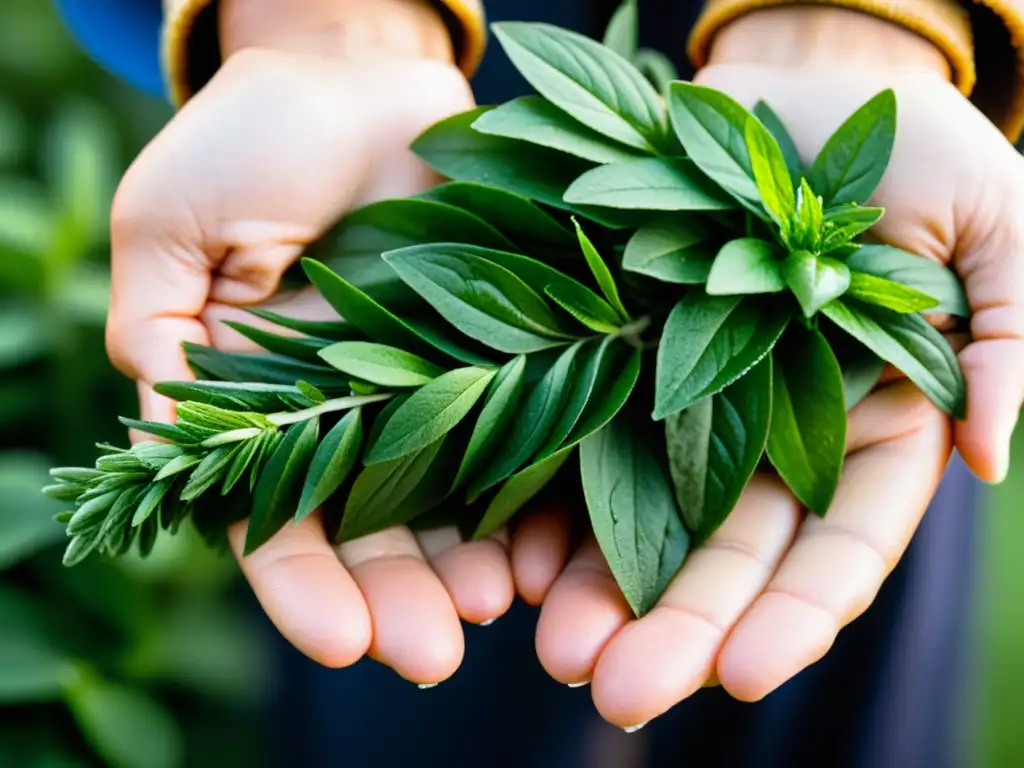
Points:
x=602 y=254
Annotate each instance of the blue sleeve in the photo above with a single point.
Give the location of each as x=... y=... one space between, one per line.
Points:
x=123 y=36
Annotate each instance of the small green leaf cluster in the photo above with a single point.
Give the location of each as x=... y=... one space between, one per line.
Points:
x=605 y=251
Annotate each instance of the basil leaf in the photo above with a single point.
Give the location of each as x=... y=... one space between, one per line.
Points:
x=917 y=272
x=852 y=162
x=536 y=120
x=329 y=330
x=770 y=173
x=482 y=299
x=910 y=344
x=807 y=439
x=670 y=251
x=280 y=483
x=633 y=512
x=714 y=447
x=299 y=348
x=380 y=364
x=777 y=128
x=500 y=407
x=590 y=82
x=210 y=363
x=235 y=396
x=332 y=462
x=708 y=342
x=431 y=412
x=657 y=68
x=648 y=184
x=815 y=280
x=622 y=32
x=886 y=293
x=601 y=273
x=747 y=265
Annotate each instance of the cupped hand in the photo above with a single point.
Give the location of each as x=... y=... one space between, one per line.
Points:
x=274 y=150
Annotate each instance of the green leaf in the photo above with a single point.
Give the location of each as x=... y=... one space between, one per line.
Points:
x=588 y=365
x=886 y=293
x=601 y=273
x=290 y=346
x=500 y=407
x=590 y=82
x=235 y=396
x=846 y=223
x=31 y=669
x=244 y=460
x=917 y=272
x=670 y=251
x=622 y=32
x=810 y=219
x=853 y=161
x=648 y=184
x=334 y=459
x=910 y=344
x=861 y=373
x=280 y=483
x=208 y=472
x=747 y=265
x=807 y=439
x=777 y=128
x=714 y=447
x=633 y=512
x=380 y=364
x=432 y=411
x=770 y=173
x=581 y=311
x=815 y=280
x=482 y=299
x=210 y=363
x=331 y=330
x=657 y=68
x=26 y=524
x=536 y=120
x=709 y=342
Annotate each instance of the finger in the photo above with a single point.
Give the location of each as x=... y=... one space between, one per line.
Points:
x=657 y=661
x=838 y=563
x=582 y=612
x=540 y=547
x=476 y=574
x=416 y=629
x=306 y=592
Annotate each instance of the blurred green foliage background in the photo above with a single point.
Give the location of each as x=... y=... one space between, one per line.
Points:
x=153 y=664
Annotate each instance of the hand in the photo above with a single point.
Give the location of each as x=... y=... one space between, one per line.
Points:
x=768 y=593
x=272 y=151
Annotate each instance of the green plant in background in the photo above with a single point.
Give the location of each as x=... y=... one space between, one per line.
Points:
x=602 y=255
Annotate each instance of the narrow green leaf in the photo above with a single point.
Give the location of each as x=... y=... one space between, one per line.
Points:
x=807 y=439
x=164 y=431
x=743 y=266
x=622 y=32
x=633 y=512
x=241 y=462
x=177 y=466
x=332 y=330
x=861 y=373
x=236 y=396
x=815 y=280
x=777 y=128
x=810 y=219
x=648 y=184
x=657 y=68
x=601 y=273
x=886 y=293
x=518 y=490
x=582 y=313
x=209 y=471
x=301 y=348
x=770 y=173
x=671 y=251
x=917 y=272
x=380 y=364
x=334 y=459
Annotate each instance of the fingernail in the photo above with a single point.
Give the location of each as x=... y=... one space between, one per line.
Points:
x=424 y=686
x=488 y=622
x=579 y=685
x=634 y=728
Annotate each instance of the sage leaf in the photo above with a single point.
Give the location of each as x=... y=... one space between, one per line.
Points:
x=280 y=482
x=714 y=447
x=708 y=342
x=208 y=472
x=164 y=431
x=670 y=251
x=770 y=173
x=300 y=348
x=815 y=280
x=853 y=161
x=910 y=344
x=333 y=461
x=622 y=32
x=747 y=265
x=581 y=313
x=888 y=294
x=616 y=380
x=518 y=490
x=648 y=184
x=210 y=363
x=330 y=330
x=777 y=128
x=536 y=120
x=380 y=364
x=917 y=272
x=601 y=273
x=633 y=512
x=807 y=439
x=236 y=396
x=431 y=412
x=588 y=81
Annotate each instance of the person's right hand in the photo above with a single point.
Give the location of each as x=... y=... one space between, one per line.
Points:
x=268 y=155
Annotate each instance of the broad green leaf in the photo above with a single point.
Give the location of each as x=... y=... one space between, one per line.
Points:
x=301 y=348
x=807 y=439
x=380 y=364
x=280 y=483
x=518 y=490
x=536 y=120
x=633 y=511
x=590 y=82
x=648 y=184
x=714 y=447
x=601 y=273
x=332 y=462
x=747 y=265
x=770 y=173
x=815 y=280
x=331 y=330
x=888 y=294
x=853 y=160
x=657 y=68
x=777 y=128
x=622 y=32
x=431 y=412
x=709 y=342
x=482 y=299
x=500 y=407
x=910 y=344
x=671 y=251
x=212 y=364
x=917 y=272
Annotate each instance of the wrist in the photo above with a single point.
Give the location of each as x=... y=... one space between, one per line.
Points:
x=805 y=37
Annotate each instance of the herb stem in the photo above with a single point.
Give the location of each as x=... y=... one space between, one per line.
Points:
x=331 y=406
x=234 y=436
